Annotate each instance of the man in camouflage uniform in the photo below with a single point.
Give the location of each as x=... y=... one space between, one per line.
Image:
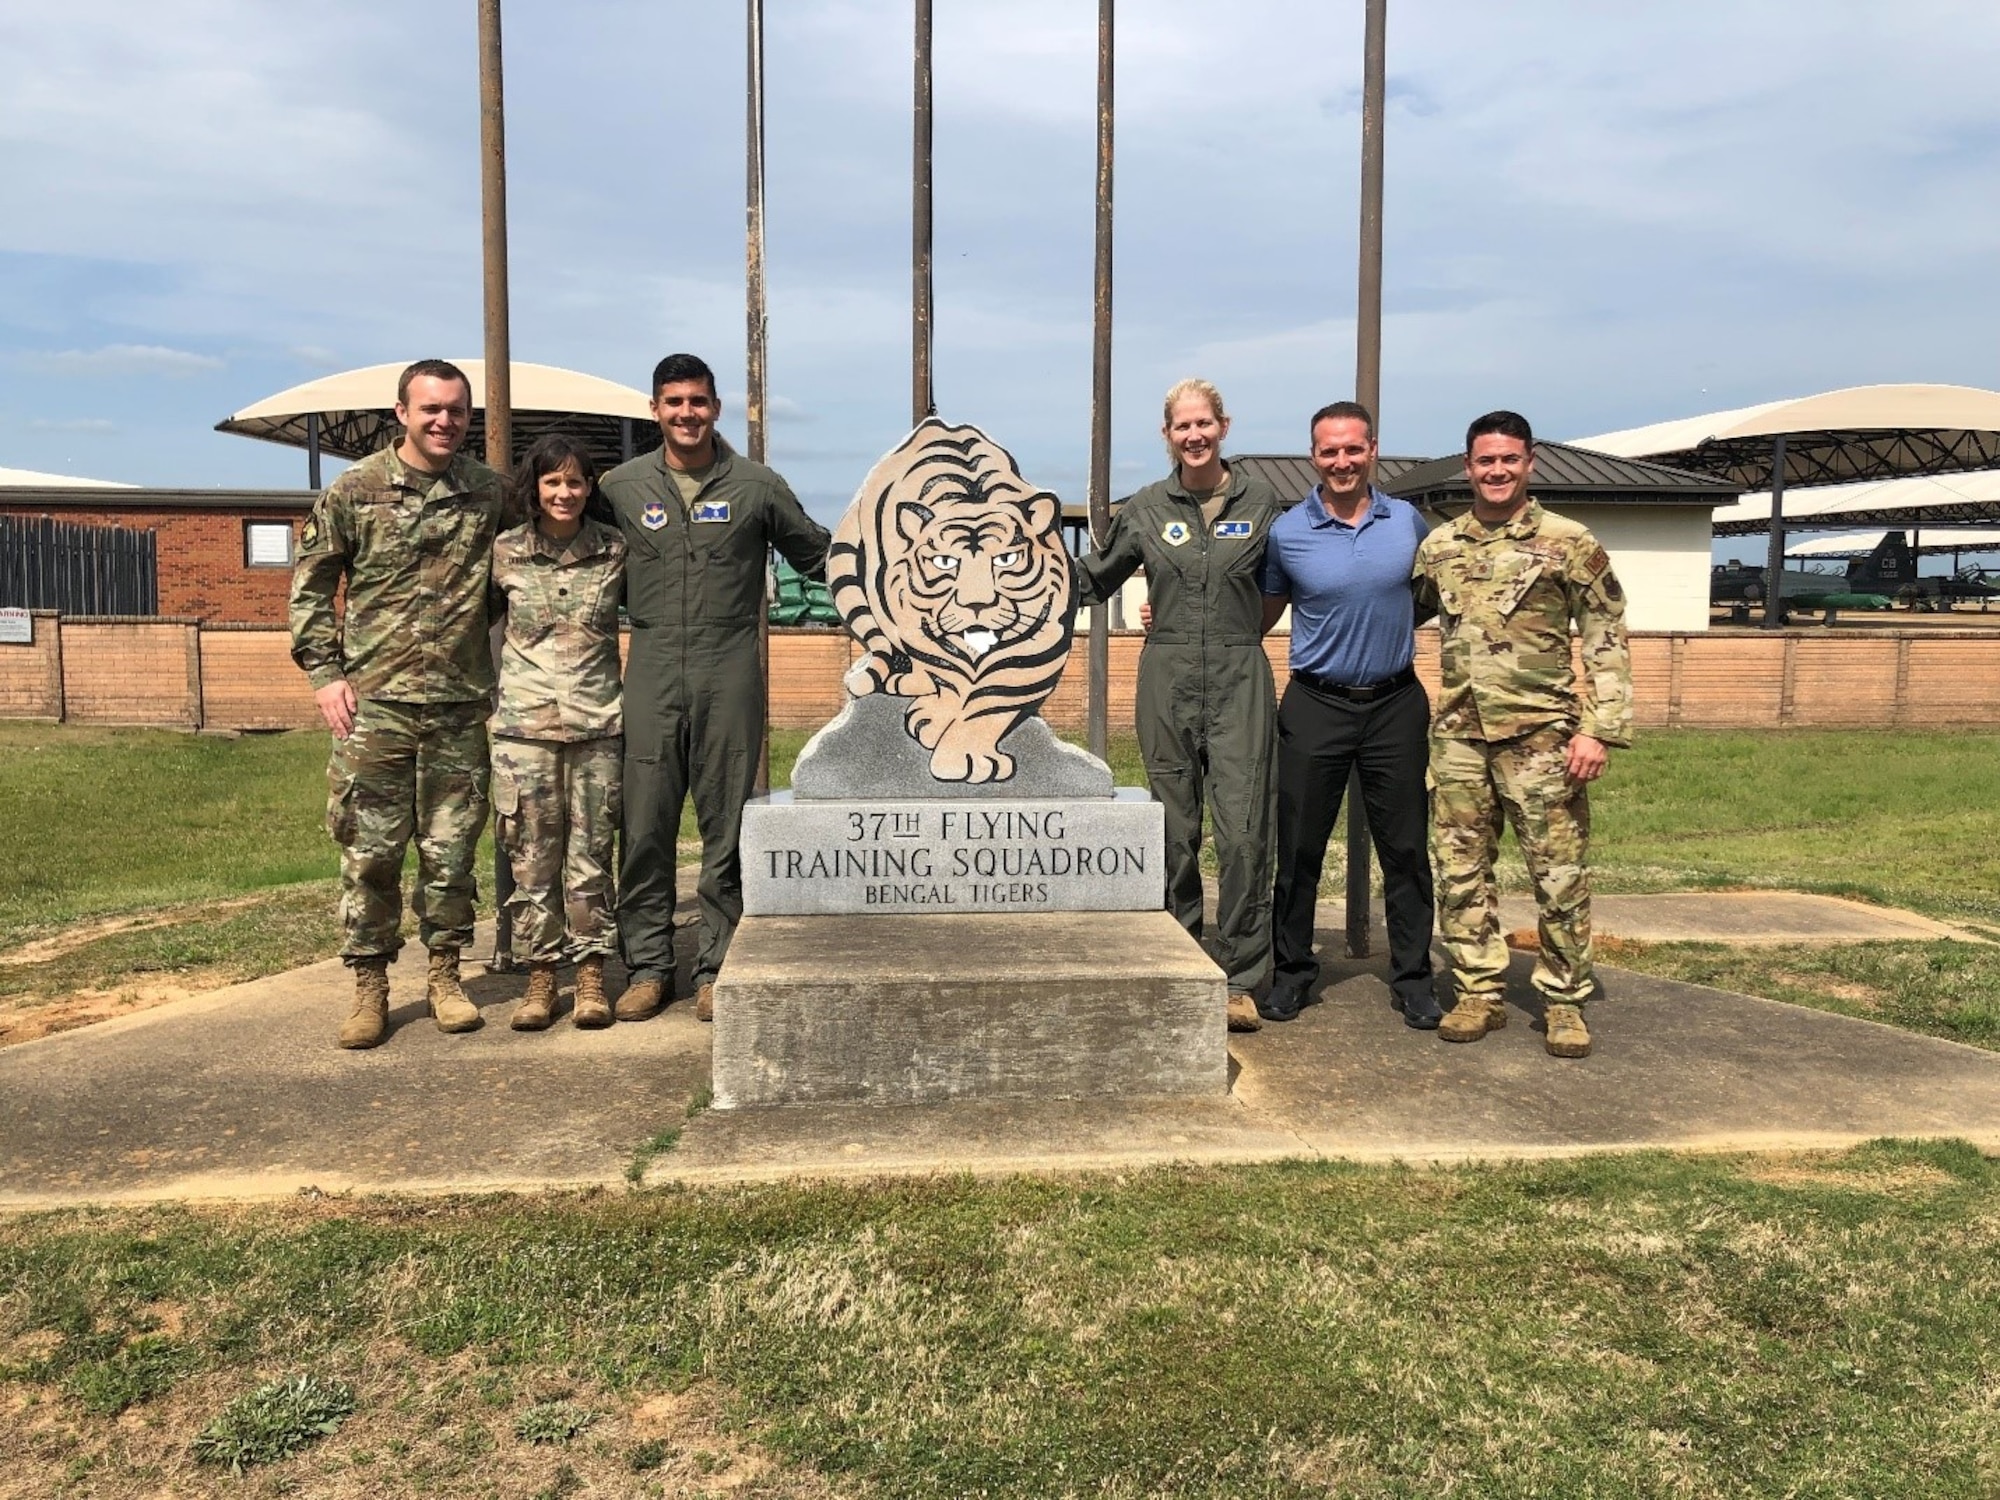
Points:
x=1514 y=733
x=404 y=680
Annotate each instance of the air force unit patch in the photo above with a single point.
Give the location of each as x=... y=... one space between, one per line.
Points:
x=711 y=510
x=1175 y=533
x=654 y=516
x=1232 y=528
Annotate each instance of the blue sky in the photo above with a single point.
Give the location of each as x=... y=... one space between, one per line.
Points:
x=1602 y=215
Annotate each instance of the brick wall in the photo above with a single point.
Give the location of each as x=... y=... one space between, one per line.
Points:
x=203 y=574
x=248 y=681
x=132 y=672
x=31 y=676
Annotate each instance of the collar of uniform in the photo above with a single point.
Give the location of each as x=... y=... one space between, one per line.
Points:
x=1525 y=524
x=724 y=457
x=1238 y=482
x=1319 y=517
x=591 y=539
x=456 y=477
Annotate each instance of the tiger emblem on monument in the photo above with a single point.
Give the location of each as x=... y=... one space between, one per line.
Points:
x=950 y=570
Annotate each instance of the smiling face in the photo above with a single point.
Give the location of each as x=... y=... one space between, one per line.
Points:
x=686 y=411
x=1194 y=432
x=561 y=494
x=1499 y=467
x=436 y=415
x=1344 y=455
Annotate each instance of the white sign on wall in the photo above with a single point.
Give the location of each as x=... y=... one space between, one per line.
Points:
x=17 y=628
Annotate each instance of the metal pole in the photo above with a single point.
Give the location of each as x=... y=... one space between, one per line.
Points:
x=1099 y=702
x=757 y=332
x=1368 y=391
x=493 y=199
x=923 y=394
x=1774 y=558
x=312 y=450
x=499 y=384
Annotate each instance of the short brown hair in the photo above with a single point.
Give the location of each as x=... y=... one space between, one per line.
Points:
x=436 y=369
x=1342 y=411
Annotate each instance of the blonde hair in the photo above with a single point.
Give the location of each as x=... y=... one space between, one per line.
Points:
x=1187 y=390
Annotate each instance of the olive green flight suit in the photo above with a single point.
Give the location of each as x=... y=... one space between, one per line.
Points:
x=1206 y=711
x=694 y=690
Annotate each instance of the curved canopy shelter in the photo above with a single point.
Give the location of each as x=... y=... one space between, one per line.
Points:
x=1890 y=504
x=1866 y=432
x=1951 y=542
x=350 y=415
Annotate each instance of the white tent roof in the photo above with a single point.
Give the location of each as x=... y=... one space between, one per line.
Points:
x=1933 y=500
x=29 y=479
x=1930 y=543
x=356 y=410
x=1862 y=432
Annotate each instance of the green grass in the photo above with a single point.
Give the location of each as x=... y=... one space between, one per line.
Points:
x=1641 y=1325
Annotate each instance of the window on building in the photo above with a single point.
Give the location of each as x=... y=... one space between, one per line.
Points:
x=267 y=544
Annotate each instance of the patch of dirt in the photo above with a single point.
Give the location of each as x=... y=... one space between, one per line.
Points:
x=24 y=1018
x=1913 y=1177
x=1864 y=995
x=72 y=938
x=1603 y=946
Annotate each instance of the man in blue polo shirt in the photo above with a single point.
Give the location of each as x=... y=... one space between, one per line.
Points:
x=1341 y=559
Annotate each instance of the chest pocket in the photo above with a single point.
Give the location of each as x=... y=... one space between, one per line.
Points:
x=1512 y=581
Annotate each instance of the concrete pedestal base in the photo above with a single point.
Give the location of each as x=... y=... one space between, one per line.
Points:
x=917 y=1009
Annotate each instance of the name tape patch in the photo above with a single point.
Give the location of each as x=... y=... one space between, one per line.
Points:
x=711 y=510
x=1232 y=528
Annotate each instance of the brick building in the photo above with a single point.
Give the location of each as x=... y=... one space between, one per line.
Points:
x=225 y=556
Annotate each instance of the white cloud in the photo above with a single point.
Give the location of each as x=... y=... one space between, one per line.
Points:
x=72 y=424
x=124 y=359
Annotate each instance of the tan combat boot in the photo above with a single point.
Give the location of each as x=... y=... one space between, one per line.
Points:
x=642 y=998
x=591 y=1012
x=1472 y=1018
x=449 y=1005
x=370 y=1022
x=704 y=1003
x=537 y=1007
x=1568 y=1036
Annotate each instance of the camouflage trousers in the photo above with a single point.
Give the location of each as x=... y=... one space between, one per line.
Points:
x=408 y=769
x=558 y=806
x=1474 y=785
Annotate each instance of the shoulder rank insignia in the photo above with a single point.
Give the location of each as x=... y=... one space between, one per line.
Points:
x=310 y=534
x=654 y=516
x=1175 y=533
x=711 y=510
x=1232 y=528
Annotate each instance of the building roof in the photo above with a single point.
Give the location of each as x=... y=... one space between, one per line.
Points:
x=1933 y=500
x=1862 y=432
x=1925 y=544
x=1572 y=475
x=130 y=497
x=1294 y=476
x=356 y=411
x=16 y=478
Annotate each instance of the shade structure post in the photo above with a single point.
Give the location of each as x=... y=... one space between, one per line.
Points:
x=923 y=390
x=312 y=450
x=755 y=403
x=1774 y=556
x=1368 y=391
x=1098 y=703
x=493 y=205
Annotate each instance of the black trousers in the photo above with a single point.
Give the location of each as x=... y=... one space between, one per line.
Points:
x=1320 y=739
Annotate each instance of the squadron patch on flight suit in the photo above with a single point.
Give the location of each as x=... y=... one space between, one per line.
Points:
x=1175 y=533
x=654 y=515
x=711 y=510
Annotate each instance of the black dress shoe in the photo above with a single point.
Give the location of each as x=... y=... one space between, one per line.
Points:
x=1282 y=1004
x=1420 y=1011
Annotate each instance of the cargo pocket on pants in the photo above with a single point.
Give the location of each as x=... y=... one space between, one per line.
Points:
x=506 y=810
x=340 y=817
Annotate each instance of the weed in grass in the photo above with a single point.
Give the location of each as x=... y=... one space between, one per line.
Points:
x=648 y=1151
x=274 y=1421
x=644 y=1457
x=565 y=1483
x=553 y=1422
x=138 y=1372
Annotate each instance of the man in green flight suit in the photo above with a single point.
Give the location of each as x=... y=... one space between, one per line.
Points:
x=1206 y=710
x=404 y=679
x=699 y=523
x=1518 y=732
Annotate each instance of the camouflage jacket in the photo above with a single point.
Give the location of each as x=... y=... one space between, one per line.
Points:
x=559 y=655
x=413 y=551
x=1505 y=598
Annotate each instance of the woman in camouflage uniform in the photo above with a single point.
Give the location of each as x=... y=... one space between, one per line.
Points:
x=558 y=733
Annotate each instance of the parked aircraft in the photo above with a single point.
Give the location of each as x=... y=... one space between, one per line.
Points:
x=1892 y=569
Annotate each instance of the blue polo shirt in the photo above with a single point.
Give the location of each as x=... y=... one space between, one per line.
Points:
x=1350 y=587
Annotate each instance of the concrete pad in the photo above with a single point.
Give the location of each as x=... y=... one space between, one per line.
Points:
x=908 y=1010
x=242 y=1093
x=1745 y=918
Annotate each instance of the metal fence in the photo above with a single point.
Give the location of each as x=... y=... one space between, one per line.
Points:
x=78 y=570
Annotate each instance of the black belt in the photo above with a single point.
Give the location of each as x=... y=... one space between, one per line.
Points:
x=1352 y=694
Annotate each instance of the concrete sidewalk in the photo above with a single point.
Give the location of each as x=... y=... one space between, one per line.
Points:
x=241 y=1093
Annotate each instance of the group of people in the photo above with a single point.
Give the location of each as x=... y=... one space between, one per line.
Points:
x=579 y=758
x=1517 y=734
x=576 y=757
